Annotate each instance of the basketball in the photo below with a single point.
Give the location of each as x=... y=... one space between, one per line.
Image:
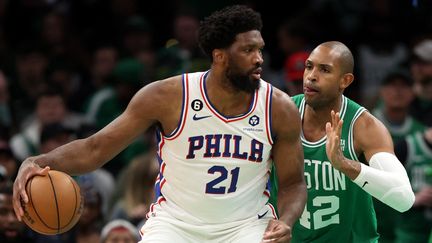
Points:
x=55 y=203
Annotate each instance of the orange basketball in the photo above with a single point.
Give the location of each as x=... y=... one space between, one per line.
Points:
x=55 y=203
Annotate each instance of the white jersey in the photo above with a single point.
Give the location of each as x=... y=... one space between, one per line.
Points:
x=214 y=169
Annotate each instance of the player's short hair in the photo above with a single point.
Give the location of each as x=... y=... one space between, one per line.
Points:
x=220 y=28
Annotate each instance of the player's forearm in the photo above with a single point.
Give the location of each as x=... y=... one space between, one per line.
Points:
x=386 y=180
x=350 y=168
x=291 y=202
x=79 y=156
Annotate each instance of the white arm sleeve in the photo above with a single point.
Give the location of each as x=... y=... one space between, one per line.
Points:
x=387 y=180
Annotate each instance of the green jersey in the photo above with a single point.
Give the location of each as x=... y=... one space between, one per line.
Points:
x=415 y=224
x=337 y=210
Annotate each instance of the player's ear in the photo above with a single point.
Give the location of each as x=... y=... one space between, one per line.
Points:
x=347 y=79
x=218 y=55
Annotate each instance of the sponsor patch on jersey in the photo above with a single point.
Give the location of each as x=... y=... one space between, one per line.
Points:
x=254 y=120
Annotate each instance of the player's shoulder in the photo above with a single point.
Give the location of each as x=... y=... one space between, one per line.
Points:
x=367 y=126
x=161 y=94
x=281 y=100
x=168 y=85
x=285 y=115
x=366 y=119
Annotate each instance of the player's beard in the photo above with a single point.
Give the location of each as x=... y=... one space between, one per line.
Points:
x=242 y=81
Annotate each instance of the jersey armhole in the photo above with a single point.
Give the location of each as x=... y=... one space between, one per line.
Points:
x=184 y=110
x=268 y=109
x=351 y=149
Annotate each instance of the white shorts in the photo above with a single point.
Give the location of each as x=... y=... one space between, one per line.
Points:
x=163 y=228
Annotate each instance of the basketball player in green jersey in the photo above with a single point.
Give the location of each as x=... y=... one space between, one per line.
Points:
x=348 y=156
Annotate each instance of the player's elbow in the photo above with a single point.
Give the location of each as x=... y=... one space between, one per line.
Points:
x=401 y=198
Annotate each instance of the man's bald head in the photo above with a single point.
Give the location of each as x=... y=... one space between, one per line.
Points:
x=346 y=58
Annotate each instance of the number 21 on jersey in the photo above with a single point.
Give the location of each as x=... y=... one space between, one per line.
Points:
x=215 y=187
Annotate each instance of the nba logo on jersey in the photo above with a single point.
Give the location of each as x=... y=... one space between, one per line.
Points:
x=342 y=144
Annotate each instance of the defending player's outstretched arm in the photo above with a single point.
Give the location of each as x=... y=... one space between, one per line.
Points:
x=385 y=178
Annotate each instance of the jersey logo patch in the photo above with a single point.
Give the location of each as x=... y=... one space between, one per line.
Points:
x=254 y=120
x=342 y=144
x=196 y=118
x=260 y=216
x=197 y=105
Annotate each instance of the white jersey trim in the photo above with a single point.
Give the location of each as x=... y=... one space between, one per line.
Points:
x=183 y=115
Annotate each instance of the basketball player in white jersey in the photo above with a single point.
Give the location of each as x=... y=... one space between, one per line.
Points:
x=218 y=133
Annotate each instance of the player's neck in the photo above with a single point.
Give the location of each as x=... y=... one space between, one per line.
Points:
x=226 y=99
x=319 y=116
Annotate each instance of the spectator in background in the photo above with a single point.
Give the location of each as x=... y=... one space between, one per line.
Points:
x=415 y=152
x=128 y=77
x=137 y=43
x=28 y=81
x=294 y=68
x=7 y=161
x=54 y=135
x=59 y=39
x=63 y=75
x=378 y=53
x=421 y=69
x=396 y=95
x=181 y=53
x=11 y=230
x=119 y=231
x=137 y=36
x=50 y=108
x=293 y=36
x=5 y=109
x=88 y=228
x=103 y=63
x=136 y=189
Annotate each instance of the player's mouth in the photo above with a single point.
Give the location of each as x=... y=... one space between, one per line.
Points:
x=256 y=74
x=308 y=90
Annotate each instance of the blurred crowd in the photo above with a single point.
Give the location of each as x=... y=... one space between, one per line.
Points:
x=68 y=68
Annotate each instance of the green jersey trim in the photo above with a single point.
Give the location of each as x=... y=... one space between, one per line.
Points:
x=322 y=140
x=351 y=149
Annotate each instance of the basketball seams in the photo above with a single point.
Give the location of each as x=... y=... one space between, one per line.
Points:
x=34 y=207
x=75 y=207
x=41 y=220
x=56 y=203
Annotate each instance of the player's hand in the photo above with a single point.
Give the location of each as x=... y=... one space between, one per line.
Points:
x=277 y=232
x=27 y=170
x=333 y=148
